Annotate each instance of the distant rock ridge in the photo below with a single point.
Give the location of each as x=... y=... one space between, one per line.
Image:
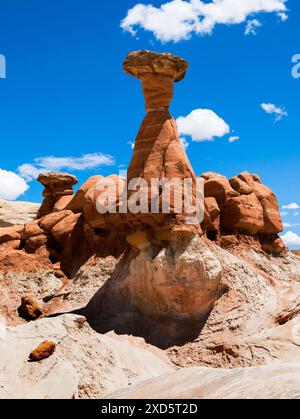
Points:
x=17 y=212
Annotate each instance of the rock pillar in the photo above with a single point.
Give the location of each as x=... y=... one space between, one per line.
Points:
x=158 y=153
x=57 y=193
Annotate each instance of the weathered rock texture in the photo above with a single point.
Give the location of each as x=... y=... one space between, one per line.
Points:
x=222 y=294
x=58 y=191
x=84 y=364
x=267 y=382
x=257 y=321
x=245 y=206
x=158 y=153
x=12 y=213
x=163 y=295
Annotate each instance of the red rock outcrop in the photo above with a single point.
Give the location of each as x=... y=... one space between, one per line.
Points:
x=269 y=203
x=164 y=261
x=58 y=191
x=246 y=207
x=243 y=213
x=158 y=153
x=212 y=215
x=218 y=187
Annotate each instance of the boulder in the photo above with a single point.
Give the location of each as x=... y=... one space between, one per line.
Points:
x=10 y=233
x=243 y=213
x=273 y=244
x=77 y=202
x=62 y=203
x=50 y=220
x=43 y=351
x=30 y=308
x=218 y=187
x=243 y=183
x=212 y=215
x=31 y=229
x=139 y=63
x=179 y=282
x=63 y=228
x=269 y=203
x=35 y=242
x=93 y=200
x=58 y=183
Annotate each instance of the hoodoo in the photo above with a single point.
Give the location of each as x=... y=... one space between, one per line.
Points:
x=158 y=154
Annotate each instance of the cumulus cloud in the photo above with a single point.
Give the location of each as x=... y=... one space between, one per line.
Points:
x=291 y=239
x=11 y=185
x=178 y=19
x=252 y=26
x=48 y=164
x=202 y=125
x=233 y=138
x=277 y=111
x=292 y=206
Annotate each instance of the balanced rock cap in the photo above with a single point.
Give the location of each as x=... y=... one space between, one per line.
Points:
x=50 y=178
x=138 y=63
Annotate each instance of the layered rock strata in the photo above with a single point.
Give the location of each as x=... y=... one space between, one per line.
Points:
x=58 y=191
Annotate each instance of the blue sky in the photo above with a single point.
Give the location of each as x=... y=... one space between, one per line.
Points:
x=65 y=95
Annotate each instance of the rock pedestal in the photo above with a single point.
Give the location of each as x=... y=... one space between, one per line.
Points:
x=158 y=153
x=58 y=191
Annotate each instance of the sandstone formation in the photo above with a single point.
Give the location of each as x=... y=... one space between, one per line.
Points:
x=221 y=293
x=158 y=153
x=15 y=212
x=246 y=207
x=84 y=364
x=57 y=193
x=266 y=382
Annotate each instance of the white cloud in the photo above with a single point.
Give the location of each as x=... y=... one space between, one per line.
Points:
x=11 y=185
x=202 y=125
x=177 y=20
x=291 y=239
x=296 y=213
x=48 y=164
x=292 y=206
x=233 y=138
x=251 y=27
x=290 y=225
x=131 y=143
x=278 y=112
x=184 y=142
x=283 y=16
x=284 y=213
